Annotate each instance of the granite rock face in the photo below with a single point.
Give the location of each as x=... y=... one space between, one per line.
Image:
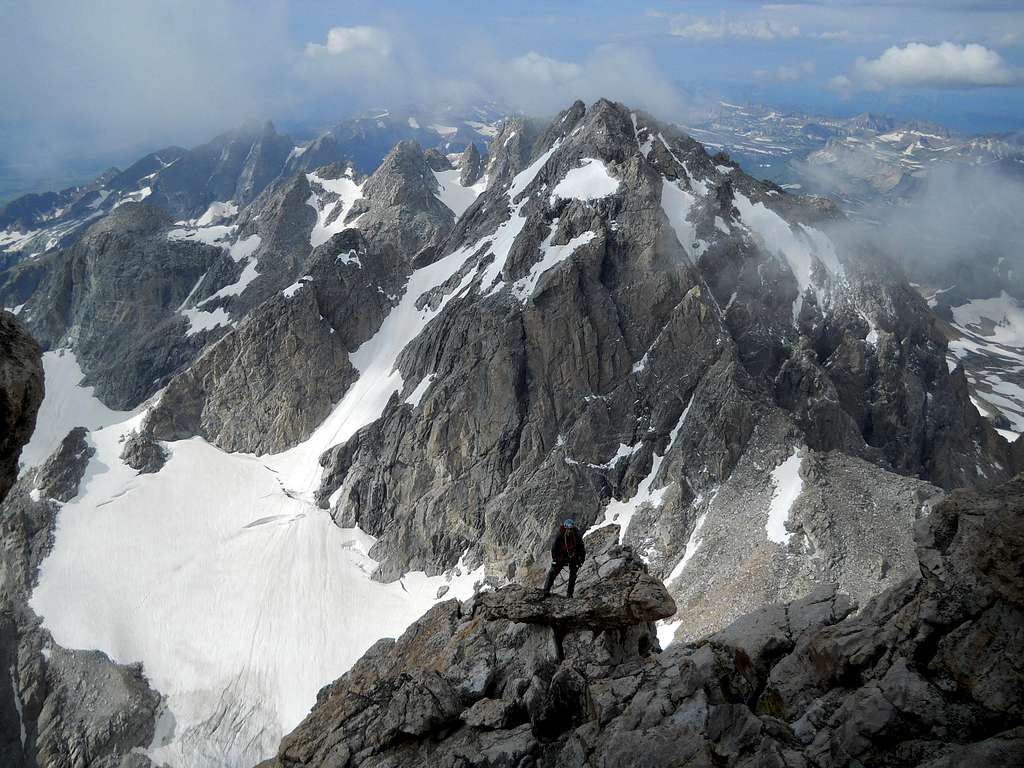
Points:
x=650 y=355
x=272 y=379
x=21 y=392
x=927 y=674
x=114 y=297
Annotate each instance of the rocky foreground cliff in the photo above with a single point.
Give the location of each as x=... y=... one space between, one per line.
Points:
x=21 y=392
x=927 y=674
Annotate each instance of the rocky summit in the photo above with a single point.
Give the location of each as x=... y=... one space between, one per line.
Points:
x=927 y=674
x=300 y=394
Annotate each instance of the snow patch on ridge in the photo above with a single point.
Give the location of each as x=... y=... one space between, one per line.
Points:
x=216 y=212
x=590 y=181
x=801 y=247
x=421 y=389
x=330 y=217
x=622 y=512
x=788 y=486
x=551 y=256
x=205 y=320
x=456 y=197
x=677 y=204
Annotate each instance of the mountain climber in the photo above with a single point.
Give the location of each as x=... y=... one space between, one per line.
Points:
x=566 y=549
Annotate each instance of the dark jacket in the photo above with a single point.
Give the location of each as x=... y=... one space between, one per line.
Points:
x=568 y=546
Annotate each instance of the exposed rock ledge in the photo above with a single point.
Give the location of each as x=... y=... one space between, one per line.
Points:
x=929 y=674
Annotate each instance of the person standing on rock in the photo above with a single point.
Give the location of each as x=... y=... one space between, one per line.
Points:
x=566 y=549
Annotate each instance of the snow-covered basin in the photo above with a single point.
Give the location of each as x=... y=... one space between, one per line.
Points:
x=232 y=593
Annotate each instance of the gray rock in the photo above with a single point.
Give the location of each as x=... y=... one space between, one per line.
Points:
x=262 y=387
x=21 y=392
x=236 y=165
x=95 y=711
x=128 y=341
x=144 y=453
x=489 y=714
x=60 y=474
x=470 y=166
x=612 y=604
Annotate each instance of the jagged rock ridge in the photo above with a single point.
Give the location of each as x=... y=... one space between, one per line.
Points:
x=927 y=674
x=640 y=332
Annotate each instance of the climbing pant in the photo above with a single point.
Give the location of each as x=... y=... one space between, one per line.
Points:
x=556 y=568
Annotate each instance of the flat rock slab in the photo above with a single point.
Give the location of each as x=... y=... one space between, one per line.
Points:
x=612 y=604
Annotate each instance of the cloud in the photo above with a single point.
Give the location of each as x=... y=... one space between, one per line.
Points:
x=109 y=79
x=344 y=40
x=539 y=84
x=545 y=71
x=842 y=35
x=842 y=85
x=787 y=73
x=1010 y=39
x=702 y=29
x=946 y=65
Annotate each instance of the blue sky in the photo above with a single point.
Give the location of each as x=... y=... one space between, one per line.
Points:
x=109 y=77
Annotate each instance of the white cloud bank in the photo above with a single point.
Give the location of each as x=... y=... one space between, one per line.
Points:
x=342 y=40
x=946 y=65
x=710 y=29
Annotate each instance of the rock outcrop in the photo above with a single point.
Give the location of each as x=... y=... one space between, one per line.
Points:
x=143 y=452
x=236 y=165
x=471 y=166
x=496 y=672
x=21 y=393
x=927 y=674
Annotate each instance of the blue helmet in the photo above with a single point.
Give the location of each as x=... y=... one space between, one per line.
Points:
x=569 y=523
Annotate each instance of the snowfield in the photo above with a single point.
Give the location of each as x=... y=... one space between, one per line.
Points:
x=591 y=181
x=250 y=598
x=455 y=196
x=66 y=405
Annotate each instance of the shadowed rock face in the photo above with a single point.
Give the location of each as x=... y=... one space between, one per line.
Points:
x=928 y=674
x=21 y=392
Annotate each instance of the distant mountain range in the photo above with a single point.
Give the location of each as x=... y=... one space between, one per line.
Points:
x=856 y=159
